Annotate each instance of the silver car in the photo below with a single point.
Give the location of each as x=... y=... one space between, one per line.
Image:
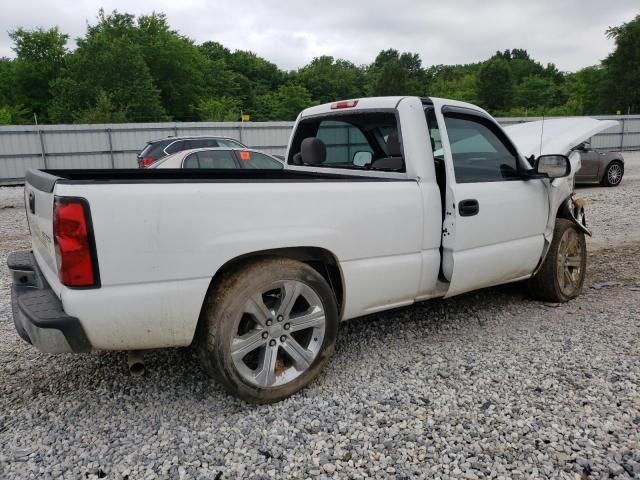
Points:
x=605 y=168
x=220 y=158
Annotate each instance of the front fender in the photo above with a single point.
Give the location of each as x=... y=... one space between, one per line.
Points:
x=573 y=209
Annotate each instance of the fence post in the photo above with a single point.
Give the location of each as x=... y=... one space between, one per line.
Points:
x=175 y=130
x=622 y=136
x=113 y=162
x=42 y=150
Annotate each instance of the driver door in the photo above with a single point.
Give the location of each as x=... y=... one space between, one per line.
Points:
x=494 y=219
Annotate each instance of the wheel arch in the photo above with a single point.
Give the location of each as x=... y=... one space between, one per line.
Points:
x=320 y=259
x=566 y=210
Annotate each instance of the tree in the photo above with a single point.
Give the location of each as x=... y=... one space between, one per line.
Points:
x=39 y=58
x=393 y=73
x=284 y=104
x=177 y=66
x=221 y=109
x=104 y=111
x=534 y=91
x=454 y=81
x=5 y=115
x=108 y=59
x=328 y=80
x=495 y=86
x=623 y=67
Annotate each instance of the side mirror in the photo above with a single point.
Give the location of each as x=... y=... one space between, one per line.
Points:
x=581 y=147
x=553 y=166
x=360 y=159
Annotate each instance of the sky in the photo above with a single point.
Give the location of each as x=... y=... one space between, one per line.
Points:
x=290 y=33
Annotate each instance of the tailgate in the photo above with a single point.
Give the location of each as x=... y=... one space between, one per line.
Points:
x=38 y=199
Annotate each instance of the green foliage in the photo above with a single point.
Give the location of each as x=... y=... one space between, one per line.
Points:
x=39 y=58
x=176 y=65
x=138 y=69
x=5 y=115
x=108 y=59
x=623 y=67
x=393 y=73
x=454 y=81
x=495 y=85
x=104 y=111
x=220 y=109
x=284 y=104
x=327 y=79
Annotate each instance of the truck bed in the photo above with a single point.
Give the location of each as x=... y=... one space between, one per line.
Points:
x=45 y=179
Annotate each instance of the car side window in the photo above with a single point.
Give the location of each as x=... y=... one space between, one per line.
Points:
x=227 y=142
x=210 y=159
x=258 y=160
x=175 y=147
x=201 y=143
x=480 y=152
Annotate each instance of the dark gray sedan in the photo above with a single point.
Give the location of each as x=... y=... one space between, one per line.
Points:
x=598 y=166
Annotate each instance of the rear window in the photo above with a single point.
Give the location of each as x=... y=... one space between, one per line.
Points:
x=352 y=141
x=155 y=149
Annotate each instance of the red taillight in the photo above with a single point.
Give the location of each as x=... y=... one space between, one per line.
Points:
x=74 y=244
x=145 y=162
x=344 y=104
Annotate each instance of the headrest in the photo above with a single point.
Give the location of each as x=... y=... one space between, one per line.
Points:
x=313 y=151
x=394 y=149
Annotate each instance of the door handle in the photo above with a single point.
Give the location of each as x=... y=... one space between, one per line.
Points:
x=469 y=207
x=32 y=203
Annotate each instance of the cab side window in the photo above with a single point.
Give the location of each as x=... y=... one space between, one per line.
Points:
x=481 y=153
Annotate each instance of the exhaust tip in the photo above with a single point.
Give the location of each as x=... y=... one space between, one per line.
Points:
x=135 y=362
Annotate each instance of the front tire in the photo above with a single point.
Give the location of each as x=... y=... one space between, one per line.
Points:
x=268 y=328
x=561 y=277
x=613 y=174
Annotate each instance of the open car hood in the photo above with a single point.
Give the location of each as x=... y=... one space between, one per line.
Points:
x=559 y=136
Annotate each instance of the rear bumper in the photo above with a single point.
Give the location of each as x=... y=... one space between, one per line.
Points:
x=37 y=312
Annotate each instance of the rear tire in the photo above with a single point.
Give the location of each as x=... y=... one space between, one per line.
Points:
x=561 y=277
x=613 y=174
x=268 y=329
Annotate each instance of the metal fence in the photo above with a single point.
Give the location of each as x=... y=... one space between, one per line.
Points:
x=116 y=145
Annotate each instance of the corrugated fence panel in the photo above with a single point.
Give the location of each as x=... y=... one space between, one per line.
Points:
x=116 y=145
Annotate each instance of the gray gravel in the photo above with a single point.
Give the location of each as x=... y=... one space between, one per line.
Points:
x=486 y=385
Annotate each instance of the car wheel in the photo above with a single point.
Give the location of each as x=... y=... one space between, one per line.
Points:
x=268 y=328
x=562 y=274
x=613 y=174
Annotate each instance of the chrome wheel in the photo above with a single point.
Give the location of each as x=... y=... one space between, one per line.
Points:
x=279 y=334
x=570 y=270
x=614 y=174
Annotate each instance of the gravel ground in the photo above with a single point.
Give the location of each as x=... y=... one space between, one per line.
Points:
x=486 y=385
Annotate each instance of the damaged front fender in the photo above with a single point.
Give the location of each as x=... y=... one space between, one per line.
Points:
x=573 y=209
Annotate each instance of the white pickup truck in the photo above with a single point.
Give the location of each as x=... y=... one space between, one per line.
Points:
x=384 y=202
